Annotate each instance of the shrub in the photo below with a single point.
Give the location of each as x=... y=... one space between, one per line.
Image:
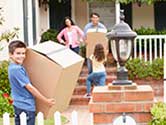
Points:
x=158 y=112
x=139 y=69
x=4 y=82
x=5 y=99
x=149 y=31
x=83 y=50
x=6 y=104
x=50 y=34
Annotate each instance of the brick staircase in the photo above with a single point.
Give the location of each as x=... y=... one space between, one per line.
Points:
x=80 y=89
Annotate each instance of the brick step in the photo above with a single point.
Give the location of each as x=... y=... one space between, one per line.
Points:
x=79 y=100
x=79 y=90
x=109 y=79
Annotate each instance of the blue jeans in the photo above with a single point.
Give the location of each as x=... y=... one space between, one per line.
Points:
x=89 y=65
x=76 y=49
x=97 y=79
x=29 y=114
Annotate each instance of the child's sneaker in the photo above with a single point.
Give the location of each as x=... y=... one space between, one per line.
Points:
x=87 y=95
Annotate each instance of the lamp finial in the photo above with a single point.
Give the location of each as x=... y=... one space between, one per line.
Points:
x=122 y=17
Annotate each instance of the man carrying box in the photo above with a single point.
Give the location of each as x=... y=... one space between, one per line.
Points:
x=94 y=33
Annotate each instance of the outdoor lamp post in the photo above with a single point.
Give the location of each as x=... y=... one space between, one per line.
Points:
x=121 y=38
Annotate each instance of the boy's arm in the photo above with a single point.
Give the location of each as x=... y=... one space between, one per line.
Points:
x=37 y=94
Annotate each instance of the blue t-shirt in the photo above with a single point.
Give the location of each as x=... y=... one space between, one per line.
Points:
x=18 y=78
x=91 y=28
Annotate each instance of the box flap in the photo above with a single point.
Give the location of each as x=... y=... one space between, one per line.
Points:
x=65 y=57
x=58 y=53
x=48 y=47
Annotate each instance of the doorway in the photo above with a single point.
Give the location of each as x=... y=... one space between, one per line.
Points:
x=59 y=10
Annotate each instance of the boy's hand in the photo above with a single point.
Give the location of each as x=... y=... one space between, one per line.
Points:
x=50 y=102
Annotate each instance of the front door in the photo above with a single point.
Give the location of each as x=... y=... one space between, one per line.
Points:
x=59 y=10
x=127 y=12
x=160 y=18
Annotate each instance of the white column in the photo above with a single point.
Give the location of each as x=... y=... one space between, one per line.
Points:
x=30 y=23
x=117 y=12
x=48 y=18
x=73 y=9
x=37 y=21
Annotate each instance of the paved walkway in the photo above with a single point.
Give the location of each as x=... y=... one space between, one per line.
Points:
x=84 y=116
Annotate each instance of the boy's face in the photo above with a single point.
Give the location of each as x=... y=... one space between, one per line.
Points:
x=18 y=55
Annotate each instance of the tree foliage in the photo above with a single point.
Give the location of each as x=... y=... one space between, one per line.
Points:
x=127 y=1
x=120 y=1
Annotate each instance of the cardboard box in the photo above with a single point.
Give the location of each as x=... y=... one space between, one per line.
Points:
x=92 y=39
x=53 y=69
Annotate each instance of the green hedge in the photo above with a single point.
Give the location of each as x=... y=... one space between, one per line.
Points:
x=139 y=69
x=149 y=31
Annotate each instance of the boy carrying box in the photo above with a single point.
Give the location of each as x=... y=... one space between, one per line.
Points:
x=22 y=91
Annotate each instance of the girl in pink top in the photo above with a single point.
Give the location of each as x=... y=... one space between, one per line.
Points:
x=73 y=35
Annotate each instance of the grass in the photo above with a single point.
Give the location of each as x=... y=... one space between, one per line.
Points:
x=46 y=122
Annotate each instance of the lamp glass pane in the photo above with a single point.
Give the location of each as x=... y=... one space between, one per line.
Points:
x=113 y=49
x=124 y=49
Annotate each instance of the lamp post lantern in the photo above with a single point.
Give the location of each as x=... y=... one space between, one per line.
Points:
x=121 y=38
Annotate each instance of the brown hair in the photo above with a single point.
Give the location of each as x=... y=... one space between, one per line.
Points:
x=16 y=44
x=96 y=14
x=99 y=52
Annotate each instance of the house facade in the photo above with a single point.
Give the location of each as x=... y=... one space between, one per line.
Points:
x=34 y=17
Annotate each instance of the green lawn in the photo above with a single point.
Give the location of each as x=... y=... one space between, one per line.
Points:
x=46 y=122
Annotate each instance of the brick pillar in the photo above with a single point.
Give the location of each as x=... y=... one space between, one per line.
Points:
x=109 y=102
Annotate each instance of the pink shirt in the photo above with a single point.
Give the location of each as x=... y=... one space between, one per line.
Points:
x=76 y=34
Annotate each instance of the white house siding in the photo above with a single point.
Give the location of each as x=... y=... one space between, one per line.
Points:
x=143 y=16
x=13 y=16
x=106 y=10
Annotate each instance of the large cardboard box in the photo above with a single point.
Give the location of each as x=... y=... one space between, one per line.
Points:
x=92 y=39
x=53 y=69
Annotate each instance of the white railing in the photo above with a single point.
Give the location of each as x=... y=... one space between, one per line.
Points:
x=40 y=118
x=149 y=47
